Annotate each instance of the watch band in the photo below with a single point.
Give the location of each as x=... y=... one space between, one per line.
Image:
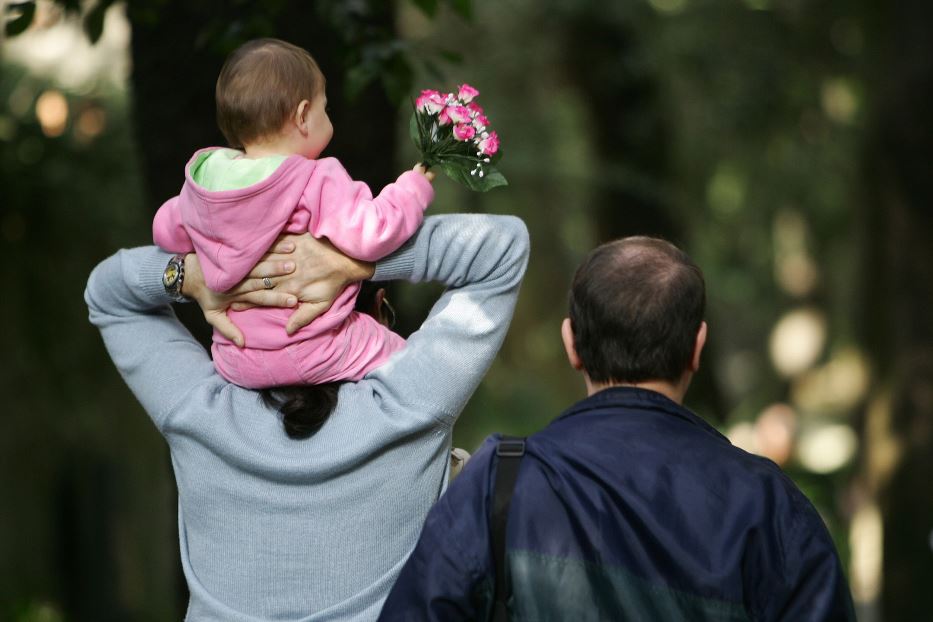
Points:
x=174 y=277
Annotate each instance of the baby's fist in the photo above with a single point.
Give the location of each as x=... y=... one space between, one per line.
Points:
x=420 y=168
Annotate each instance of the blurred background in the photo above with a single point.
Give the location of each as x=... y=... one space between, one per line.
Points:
x=787 y=145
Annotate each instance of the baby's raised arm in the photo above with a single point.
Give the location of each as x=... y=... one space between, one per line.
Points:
x=362 y=226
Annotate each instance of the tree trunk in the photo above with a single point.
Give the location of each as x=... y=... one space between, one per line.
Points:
x=631 y=132
x=898 y=294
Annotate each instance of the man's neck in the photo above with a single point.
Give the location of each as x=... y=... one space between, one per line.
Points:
x=675 y=391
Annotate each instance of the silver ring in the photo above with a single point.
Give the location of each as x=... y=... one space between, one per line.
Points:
x=267 y=282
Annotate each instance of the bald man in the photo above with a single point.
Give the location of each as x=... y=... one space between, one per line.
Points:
x=628 y=506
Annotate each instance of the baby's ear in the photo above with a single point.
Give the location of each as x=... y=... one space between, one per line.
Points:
x=301 y=115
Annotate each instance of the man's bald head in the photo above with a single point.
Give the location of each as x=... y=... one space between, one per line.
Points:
x=636 y=305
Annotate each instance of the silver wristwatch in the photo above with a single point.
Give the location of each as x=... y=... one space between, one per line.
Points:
x=174 y=277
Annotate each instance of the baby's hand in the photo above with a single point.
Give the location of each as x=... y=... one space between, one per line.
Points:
x=420 y=168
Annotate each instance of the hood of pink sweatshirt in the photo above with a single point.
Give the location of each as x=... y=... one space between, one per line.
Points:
x=232 y=229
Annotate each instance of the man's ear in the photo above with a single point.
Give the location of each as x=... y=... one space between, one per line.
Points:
x=566 y=335
x=698 y=347
x=301 y=116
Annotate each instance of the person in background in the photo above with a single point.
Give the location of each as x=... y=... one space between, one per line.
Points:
x=628 y=506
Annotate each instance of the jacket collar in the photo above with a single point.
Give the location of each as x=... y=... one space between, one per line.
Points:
x=636 y=398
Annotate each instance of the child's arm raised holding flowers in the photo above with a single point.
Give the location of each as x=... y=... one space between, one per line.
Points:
x=360 y=225
x=451 y=132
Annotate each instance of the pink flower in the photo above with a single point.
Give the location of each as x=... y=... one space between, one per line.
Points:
x=459 y=114
x=489 y=145
x=443 y=118
x=430 y=101
x=480 y=122
x=466 y=93
x=474 y=107
x=462 y=131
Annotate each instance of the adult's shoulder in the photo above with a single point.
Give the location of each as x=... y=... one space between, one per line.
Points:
x=762 y=474
x=781 y=521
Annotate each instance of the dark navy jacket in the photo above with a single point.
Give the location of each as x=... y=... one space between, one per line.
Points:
x=628 y=507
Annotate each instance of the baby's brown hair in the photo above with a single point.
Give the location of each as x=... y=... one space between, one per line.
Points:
x=260 y=86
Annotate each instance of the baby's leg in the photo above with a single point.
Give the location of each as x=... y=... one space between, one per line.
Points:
x=358 y=346
x=254 y=368
x=349 y=352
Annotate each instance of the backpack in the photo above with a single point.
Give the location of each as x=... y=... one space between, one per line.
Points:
x=509 y=454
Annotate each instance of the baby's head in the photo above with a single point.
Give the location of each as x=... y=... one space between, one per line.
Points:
x=271 y=91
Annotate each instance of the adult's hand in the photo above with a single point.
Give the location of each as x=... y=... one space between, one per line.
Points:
x=251 y=290
x=320 y=272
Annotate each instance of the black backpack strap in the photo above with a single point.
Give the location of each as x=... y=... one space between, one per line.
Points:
x=509 y=454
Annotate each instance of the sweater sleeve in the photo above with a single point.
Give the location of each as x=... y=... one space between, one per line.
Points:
x=360 y=225
x=481 y=259
x=157 y=356
x=168 y=232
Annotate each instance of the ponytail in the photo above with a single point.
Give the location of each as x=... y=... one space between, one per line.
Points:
x=304 y=408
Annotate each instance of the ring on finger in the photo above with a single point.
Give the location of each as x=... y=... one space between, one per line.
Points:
x=267 y=282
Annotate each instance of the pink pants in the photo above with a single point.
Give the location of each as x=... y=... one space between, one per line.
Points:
x=359 y=345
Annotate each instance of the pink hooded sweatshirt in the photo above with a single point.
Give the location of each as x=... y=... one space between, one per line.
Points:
x=231 y=229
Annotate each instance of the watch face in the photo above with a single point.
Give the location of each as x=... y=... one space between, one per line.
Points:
x=170 y=275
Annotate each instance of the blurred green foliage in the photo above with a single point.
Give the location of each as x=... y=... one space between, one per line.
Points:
x=67 y=202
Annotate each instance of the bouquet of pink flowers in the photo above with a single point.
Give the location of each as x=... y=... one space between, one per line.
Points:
x=452 y=132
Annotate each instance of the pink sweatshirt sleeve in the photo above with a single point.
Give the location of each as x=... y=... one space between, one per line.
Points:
x=361 y=226
x=168 y=232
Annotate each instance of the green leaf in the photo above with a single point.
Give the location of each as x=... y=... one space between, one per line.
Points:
x=418 y=129
x=491 y=178
x=414 y=129
x=456 y=173
x=22 y=21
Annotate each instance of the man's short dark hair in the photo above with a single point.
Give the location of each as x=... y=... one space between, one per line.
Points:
x=636 y=305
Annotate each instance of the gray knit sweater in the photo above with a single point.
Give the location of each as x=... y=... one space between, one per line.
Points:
x=318 y=529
